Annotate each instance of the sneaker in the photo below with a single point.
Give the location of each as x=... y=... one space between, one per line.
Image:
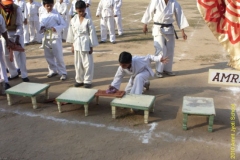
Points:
x=159 y=75
x=11 y=78
x=7 y=86
x=78 y=84
x=63 y=77
x=25 y=79
x=50 y=75
x=113 y=42
x=147 y=85
x=87 y=85
x=169 y=73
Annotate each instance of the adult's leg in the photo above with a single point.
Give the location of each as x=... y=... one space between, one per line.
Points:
x=160 y=48
x=170 y=52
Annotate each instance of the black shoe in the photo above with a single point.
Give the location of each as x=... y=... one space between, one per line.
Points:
x=7 y=70
x=102 y=42
x=11 y=78
x=7 y=86
x=51 y=75
x=78 y=84
x=19 y=72
x=26 y=44
x=25 y=79
x=87 y=85
x=113 y=42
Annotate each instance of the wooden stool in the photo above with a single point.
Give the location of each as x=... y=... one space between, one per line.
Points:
x=198 y=106
x=77 y=96
x=28 y=89
x=134 y=101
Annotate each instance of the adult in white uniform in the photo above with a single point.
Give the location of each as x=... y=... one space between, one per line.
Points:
x=33 y=20
x=15 y=33
x=118 y=19
x=61 y=7
x=107 y=10
x=52 y=25
x=163 y=30
x=23 y=6
x=72 y=10
x=140 y=70
x=3 y=73
x=83 y=37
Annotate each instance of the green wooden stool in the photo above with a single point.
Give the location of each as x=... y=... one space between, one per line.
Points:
x=77 y=96
x=198 y=106
x=28 y=89
x=134 y=101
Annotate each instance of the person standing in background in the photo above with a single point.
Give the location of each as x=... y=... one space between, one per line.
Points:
x=118 y=19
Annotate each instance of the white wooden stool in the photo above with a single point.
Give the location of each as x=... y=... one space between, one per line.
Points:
x=198 y=106
x=77 y=96
x=28 y=89
x=134 y=101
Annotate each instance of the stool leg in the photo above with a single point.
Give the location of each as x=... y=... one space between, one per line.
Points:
x=34 y=102
x=86 y=109
x=114 y=112
x=97 y=100
x=210 y=126
x=9 y=99
x=146 y=114
x=185 y=119
x=59 y=107
x=46 y=94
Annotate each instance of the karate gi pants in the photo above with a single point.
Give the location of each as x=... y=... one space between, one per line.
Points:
x=167 y=47
x=34 y=27
x=107 y=23
x=54 y=56
x=118 y=21
x=19 y=59
x=84 y=67
x=26 y=33
x=3 y=72
x=136 y=84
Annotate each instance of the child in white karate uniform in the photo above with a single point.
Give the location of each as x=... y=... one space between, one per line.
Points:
x=107 y=10
x=83 y=36
x=52 y=25
x=140 y=70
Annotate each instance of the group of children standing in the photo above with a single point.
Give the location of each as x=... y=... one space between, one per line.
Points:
x=82 y=35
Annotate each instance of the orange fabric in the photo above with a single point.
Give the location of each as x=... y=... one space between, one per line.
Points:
x=7 y=2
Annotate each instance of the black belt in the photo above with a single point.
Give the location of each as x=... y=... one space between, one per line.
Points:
x=166 y=25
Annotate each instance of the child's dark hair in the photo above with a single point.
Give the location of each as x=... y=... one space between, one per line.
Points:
x=48 y=2
x=125 y=58
x=80 y=5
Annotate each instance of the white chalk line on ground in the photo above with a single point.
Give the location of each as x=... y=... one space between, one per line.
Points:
x=146 y=136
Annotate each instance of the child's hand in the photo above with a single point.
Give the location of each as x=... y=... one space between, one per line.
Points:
x=111 y=88
x=145 y=29
x=91 y=50
x=97 y=15
x=164 y=60
x=115 y=15
x=184 y=35
x=54 y=30
x=72 y=49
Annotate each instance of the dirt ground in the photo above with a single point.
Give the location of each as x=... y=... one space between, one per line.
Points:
x=46 y=134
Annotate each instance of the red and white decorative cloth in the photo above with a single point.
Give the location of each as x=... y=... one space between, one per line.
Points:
x=223 y=19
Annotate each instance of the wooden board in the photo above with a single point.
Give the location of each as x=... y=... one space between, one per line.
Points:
x=102 y=93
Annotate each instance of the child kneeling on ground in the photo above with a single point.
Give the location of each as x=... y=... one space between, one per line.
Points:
x=140 y=70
